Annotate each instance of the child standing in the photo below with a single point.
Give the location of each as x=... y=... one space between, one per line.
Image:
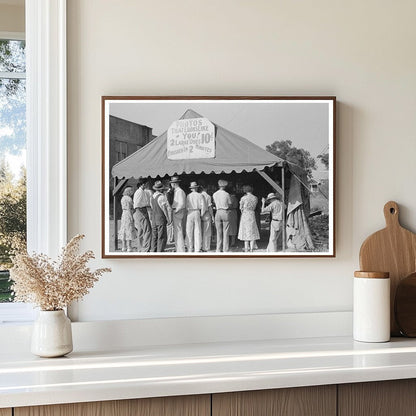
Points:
x=127 y=231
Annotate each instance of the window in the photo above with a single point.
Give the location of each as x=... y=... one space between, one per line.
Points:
x=12 y=155
x=45 y=134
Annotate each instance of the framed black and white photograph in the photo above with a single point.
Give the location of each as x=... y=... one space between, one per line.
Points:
x=218 y=176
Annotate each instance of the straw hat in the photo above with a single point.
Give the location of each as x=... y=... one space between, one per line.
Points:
x=222 y=183
x=174 y=179
x=158 y=186
x=193 y=185
x=271 y=196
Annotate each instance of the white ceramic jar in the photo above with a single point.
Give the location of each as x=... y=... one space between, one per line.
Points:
x=52 y=334
x=371 y=310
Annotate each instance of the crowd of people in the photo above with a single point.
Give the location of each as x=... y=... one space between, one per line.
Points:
x=156 y=215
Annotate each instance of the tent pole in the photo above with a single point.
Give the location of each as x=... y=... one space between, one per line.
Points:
x=271 y=182
x=115 y=215
x=284 y=211
x=281 y=191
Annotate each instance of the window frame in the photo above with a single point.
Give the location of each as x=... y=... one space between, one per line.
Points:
x=46 y=138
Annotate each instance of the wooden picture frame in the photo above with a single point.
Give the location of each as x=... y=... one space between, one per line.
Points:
x=283 y=148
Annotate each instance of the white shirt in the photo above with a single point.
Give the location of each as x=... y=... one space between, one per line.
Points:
x=222 y=199
x=141 y=199
x=207 y=198
x=194 y=201
x=179 y=199
x=276 y=209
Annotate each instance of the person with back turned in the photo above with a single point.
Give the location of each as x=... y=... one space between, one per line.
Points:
x=196 y=208
x=223 y=203
x=141 y=205
x=207 y=219
x=248 y=230
x=233 y=216
x=178 y=212
x=161 y=216
x=275 y=209
x=127 y=231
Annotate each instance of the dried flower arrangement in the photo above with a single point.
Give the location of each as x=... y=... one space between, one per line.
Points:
x=53 y=285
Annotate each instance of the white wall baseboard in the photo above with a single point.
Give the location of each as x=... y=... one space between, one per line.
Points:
x=113 y=335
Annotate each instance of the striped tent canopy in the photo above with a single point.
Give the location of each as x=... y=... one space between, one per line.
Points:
x=233 y=153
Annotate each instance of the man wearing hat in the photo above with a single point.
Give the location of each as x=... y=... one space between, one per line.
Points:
x=196 y=208
x=141 y=204
x=179 y=211
x=161 y=215
x=222 y=201
x=275 y=209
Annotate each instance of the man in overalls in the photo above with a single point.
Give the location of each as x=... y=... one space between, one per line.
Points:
x=161 y=215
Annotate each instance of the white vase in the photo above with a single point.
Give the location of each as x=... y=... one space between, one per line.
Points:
x=52 y=334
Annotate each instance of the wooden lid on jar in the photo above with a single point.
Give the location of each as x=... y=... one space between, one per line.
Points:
x=372 y=275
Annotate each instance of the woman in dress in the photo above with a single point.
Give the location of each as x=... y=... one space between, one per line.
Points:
x=248 y=231
x=127 y=232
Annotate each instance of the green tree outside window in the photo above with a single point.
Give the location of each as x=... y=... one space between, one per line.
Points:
x=12 y=151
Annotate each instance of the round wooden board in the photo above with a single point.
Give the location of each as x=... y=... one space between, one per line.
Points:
x=405 y=306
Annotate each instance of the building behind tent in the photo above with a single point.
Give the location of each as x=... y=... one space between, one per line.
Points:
x=126 y=138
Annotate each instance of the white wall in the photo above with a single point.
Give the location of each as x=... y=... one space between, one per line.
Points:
x=361 y=51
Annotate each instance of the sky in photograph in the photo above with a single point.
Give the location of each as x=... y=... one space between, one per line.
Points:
x=305 y=124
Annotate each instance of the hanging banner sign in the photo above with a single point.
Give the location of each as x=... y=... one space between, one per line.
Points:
x=192 y=138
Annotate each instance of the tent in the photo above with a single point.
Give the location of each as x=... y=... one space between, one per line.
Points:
x=233 y=153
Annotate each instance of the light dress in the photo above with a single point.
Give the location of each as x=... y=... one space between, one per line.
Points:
x=127 y=230
x=248 y=230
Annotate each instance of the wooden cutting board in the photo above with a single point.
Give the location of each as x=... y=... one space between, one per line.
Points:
x=405 y=306
x=393 y=250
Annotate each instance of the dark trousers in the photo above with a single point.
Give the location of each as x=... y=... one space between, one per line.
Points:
x=159 y=237
x=144 y=231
